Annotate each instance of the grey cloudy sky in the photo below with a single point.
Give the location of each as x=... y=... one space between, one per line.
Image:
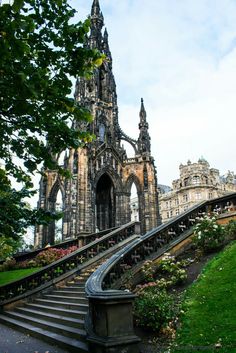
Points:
x=180 y=56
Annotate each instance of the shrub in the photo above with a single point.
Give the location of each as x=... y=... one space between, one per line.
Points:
x=153 y=308
x=174 y=270
x=208 y=235
x=44 y=258
x=148 y=271
x=230 y=230
x=8 y=265
x=50 y=255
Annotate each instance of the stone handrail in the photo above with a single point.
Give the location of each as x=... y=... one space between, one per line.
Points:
x=110 y=310
x=64 y=267
x=80 y=239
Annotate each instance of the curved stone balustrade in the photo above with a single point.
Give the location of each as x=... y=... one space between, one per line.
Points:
x=109 y=324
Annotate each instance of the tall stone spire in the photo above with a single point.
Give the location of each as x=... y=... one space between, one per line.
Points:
x=144 y=137
x=106 y=47
x=97 y=22
x=95 y=8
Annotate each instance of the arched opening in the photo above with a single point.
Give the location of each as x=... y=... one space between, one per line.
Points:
x=53 y=232
x=58 y=224
x=134 y=203
x=129 y=149
x=105 y=203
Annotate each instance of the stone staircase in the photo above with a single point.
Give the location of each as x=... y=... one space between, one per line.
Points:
x=57 y=316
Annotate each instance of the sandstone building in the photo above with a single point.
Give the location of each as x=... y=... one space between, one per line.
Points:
x=197 y=182
x=98 y=195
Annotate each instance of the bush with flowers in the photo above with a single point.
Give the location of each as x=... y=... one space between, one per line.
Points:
x=153 y=307
x=208 y=235
x=173 y=269
x=148 y=271
x=51 y=255
x=44 y=258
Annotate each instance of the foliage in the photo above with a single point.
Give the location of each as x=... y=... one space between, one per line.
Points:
x=148 y=271
x=210 y=307
x=8 y=246
x=16 y=215
x=174 y=270
x=41 y=50
x=9 y=276
x=230 y=229
x=127 y=280
x=208 y=235
x=8 y=264
x=153 y=308
x=50 y=255
x=44 y=258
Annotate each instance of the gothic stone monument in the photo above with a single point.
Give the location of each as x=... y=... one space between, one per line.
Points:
x=97 y=196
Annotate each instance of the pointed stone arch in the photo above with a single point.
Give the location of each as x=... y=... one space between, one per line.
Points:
x=49 y=234
x=116 y=179
x=108 y=191
x=133 y=179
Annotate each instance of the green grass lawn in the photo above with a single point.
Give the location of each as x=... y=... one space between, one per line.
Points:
x=210 y=308
x=9 y=276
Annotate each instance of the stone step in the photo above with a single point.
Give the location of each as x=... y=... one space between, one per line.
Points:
x=63 y=304
x=68 y=292
x=71 y=289
x=60 y=319
x=67 y=331
x=76 y=284
x=72 y=345
x=80 y=314
x=65 y=297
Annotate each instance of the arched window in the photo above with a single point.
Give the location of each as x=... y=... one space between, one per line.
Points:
x=58 y=224
x=186 y=181
x=134 y=203
x=102 y=130
x=196 y=180
x=75 y=163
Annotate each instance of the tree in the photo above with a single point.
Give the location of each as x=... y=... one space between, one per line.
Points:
x=41 y=50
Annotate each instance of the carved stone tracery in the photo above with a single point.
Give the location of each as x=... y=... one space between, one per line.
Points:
x=102 y=173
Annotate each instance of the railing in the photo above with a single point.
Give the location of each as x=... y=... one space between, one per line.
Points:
x=80 y=240
x=106 y=304
x=64 y=267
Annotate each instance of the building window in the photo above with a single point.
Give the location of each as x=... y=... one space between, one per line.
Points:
x=210 y=195
x=171 y=213
x=186 y=181
x=167 y=204
x=167 y=215
x=101 y=132
x=185 y=198
x=177 y=212
x=185 y=208
x=176 y=202
x=198 y=196
x=196 y=180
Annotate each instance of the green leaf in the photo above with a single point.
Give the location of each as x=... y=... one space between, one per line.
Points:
x=17 y=5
